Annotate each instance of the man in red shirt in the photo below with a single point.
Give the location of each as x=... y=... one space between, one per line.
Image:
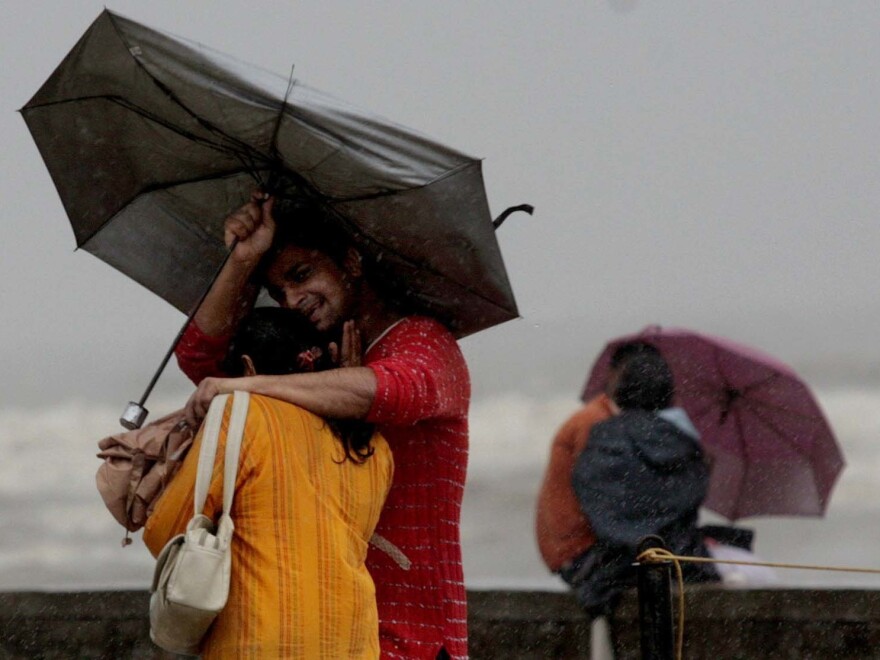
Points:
x=413 y=384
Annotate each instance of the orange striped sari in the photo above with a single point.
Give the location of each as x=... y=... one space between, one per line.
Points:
x=303 y=517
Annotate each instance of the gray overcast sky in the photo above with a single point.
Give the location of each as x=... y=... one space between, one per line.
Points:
x=703 y=164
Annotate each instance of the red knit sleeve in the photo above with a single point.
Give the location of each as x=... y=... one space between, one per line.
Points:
x=199 y=355
x=421 y=374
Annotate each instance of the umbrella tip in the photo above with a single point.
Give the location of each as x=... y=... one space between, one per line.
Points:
x=527 y=208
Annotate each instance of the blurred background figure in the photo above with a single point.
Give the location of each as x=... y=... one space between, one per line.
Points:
x=642 y=472
x=562 y=530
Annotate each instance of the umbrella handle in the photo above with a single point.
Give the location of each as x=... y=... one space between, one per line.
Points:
x=135 y=413
x=528 y=208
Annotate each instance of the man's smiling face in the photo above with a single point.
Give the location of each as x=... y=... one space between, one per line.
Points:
x=311 y=283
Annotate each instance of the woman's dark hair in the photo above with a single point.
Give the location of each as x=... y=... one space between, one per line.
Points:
x=275 y=340
x=279 y=341
x=644 y=382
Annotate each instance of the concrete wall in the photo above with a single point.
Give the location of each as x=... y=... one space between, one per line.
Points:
x=720 y=624
x=769 y=623
x=113 y=624
x=100 y=624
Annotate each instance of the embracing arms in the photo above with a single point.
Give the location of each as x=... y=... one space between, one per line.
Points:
x=417 y=374
x=345 y=393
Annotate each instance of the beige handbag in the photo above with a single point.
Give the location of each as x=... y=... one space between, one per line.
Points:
x=191 y=579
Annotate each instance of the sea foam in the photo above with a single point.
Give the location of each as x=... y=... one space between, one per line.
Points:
x=56 y=534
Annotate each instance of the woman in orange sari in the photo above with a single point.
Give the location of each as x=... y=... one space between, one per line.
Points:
x=308 y=496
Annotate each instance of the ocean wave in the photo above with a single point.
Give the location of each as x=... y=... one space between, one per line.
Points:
x=55 y=532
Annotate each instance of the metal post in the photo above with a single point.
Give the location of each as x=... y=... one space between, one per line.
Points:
x=655 y=604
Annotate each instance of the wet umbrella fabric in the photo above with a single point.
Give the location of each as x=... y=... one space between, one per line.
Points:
x=152 y=140
x=772 y=450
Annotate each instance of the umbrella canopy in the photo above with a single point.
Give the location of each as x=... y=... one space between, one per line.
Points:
x=152 y=140
x=772 y=450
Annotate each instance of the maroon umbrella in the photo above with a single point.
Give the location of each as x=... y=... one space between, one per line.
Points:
x=772 y=450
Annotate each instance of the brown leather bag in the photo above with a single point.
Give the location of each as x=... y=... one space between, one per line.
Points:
x=137 y=465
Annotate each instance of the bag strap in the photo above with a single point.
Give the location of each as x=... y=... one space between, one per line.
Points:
x=240 y=402
x=208 y=452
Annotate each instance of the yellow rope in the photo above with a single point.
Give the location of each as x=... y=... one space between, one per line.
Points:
x=658 y=555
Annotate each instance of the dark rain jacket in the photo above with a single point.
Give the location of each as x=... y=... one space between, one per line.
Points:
x=641 y=473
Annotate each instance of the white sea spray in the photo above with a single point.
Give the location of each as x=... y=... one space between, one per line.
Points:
x=55 y=532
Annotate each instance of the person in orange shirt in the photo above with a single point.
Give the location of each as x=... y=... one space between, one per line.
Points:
x=308 y=497
x=562 y=530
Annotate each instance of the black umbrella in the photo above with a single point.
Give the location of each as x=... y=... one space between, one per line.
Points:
x=152 y=140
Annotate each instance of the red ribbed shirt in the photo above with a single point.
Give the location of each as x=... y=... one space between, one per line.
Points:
x=421 y=406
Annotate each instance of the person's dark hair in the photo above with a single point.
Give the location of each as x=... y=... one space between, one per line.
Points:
x=279 y=341
x=306 y=224
x=625 y=351
x=621 y=355
x=644 y=382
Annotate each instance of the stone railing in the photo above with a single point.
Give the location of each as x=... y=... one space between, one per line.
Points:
x=720 y=624
x=766 y=623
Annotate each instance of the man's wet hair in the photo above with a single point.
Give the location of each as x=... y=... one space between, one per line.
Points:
x=280 y=341
x=644 y=382
x=307 y=224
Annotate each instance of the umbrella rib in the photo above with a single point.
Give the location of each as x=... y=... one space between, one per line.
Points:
x=747 y=394
x=705 y=409
x=744 y=391
x=208 y=125
x=420 y=266
x=347 y=142
x=173 y=97
x=746 y=463
x=735 y=410
x=146 y=114
x=355 y=230
x=390 y=193
x=726 y=402
x=156 y=188
x=766 y=405
x=737 y=420
x=821 y=493
x=716 y=351
x=779 y=432
x=703 y=384
x=273 y=143
x=219 y=146
x=752 y=386
x=756 y=402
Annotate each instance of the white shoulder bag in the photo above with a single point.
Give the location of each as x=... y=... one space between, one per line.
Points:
x=191 y=580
